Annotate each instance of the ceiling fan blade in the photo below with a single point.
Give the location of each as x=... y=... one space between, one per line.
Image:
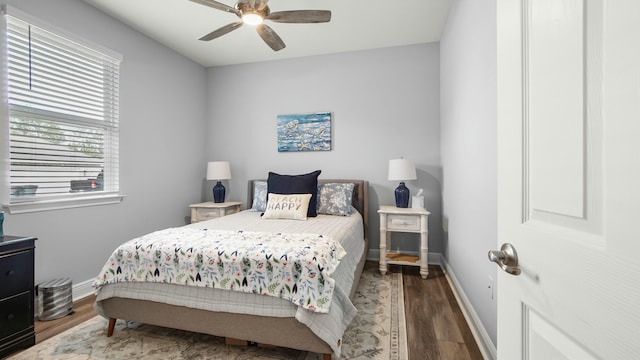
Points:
x=270 y=37
x=221 y=31
x=300 y=16
x=217 y=5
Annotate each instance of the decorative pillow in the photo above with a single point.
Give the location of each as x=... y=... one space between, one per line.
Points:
x=259 y=196
x=289 y=206
x=296 y=184
x=335 y=198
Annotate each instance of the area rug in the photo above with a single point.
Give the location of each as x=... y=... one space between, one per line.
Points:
x=377 y=332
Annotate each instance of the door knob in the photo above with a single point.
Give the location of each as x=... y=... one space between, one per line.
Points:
x=506 y=258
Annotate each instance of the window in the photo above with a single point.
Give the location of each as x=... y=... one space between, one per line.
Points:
x=62 y=119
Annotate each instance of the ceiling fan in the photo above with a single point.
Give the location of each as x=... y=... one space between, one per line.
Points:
x=253 y=12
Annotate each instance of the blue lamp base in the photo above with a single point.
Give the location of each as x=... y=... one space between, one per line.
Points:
x=218 y=193
x=402 y=196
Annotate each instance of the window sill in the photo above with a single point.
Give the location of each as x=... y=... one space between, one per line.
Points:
x=58 y=204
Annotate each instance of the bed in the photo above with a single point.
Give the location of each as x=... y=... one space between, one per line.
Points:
x=262 y=319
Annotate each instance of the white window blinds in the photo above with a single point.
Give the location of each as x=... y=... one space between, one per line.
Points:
x=63 y=116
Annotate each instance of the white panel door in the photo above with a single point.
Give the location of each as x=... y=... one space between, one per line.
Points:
x=569 y=178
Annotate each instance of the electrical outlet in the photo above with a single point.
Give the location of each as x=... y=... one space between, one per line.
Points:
x=491 y=288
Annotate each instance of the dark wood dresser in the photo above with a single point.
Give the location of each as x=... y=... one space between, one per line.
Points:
x=16 y=293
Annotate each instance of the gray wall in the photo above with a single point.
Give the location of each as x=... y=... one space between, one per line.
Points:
x=468 y=117
x=385 y=104
x=162 y=114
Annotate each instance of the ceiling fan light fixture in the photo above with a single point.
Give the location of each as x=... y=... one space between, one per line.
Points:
x=252 y=18
x=254 y=12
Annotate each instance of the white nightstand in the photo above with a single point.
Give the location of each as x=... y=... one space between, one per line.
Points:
x=403 y=220
x=211 y=210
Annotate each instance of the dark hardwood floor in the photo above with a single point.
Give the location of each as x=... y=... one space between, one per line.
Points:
x=436 y=328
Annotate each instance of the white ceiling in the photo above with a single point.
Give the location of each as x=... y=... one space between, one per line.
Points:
x=355 y=25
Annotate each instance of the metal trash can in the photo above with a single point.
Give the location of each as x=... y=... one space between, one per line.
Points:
x=56 y=299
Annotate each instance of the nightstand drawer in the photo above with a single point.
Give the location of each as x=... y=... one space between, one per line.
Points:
x=403 y=223
x=210 y=210
x=206 y=214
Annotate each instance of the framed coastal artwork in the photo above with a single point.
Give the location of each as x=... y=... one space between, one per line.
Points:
x=304 y=132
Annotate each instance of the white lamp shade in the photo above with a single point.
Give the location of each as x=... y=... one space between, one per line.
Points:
x=218 y=170
x=402 y=169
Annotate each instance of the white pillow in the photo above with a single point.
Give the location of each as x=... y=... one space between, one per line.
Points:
x=292 y=206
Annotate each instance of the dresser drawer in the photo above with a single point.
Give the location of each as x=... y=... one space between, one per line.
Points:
x=403 y=223
x=16 y=272
x=16 y=313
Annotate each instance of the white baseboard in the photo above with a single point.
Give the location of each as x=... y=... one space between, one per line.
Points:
x=82 y=290
x=487 y=348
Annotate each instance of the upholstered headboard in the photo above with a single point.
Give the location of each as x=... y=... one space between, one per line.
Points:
x=360 y=198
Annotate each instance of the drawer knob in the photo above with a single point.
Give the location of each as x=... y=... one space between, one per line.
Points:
x=11 y=272
x=10 y=317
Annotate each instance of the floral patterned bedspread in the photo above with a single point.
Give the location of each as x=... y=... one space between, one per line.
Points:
x=295 y=267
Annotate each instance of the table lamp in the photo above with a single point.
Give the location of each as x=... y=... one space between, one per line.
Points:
x=218 y=170
x=402 y=170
